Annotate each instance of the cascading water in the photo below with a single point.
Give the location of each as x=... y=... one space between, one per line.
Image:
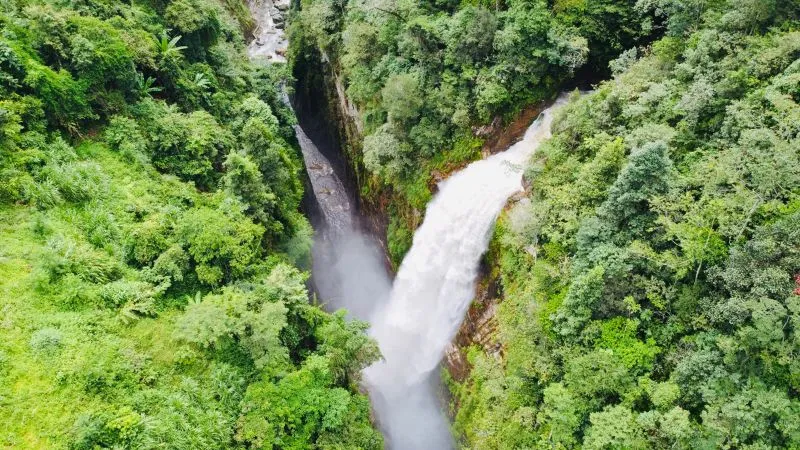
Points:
x=433 y=289
x=415 y=319
x=347 y=265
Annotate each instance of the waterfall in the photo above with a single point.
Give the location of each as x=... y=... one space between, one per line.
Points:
x=433 y=289
x=414 y=319
x=348 y=266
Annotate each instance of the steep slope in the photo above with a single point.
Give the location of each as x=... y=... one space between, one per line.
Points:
x=649 y=282
x=150 y=238
x=418 y=86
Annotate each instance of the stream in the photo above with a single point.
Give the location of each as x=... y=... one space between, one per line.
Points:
x=414 y=318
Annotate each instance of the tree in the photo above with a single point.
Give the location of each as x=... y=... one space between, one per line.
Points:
x=643 y=177
x=244 y=180
x=402 y=99
x=305 y=408
x=279 y=170
x=562 y=414
x=597 y=377
x=384 y=155
x=614 y=427
x=198 y=20
x=469 y=36
x=254 y=323
x=755 y=415
x=188 y=145
x=581 y=300
x=347 y=347
x=168 y=48
x=224 y=244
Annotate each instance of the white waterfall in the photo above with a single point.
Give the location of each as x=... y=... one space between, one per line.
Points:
x=436 y=281
x=433 y=290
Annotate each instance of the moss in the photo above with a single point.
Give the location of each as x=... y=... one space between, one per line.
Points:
x=399 y=239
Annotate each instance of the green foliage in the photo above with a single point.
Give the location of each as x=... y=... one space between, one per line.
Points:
x=46 y=340
x=650 y=280
x=188 y=145
x=149 y=214
x=305 y=409
x=399 y=240
x=614 y=427
x=619 y=335
x=385 y=155
x=423 y=76
x=254 y=324
x=223 y=244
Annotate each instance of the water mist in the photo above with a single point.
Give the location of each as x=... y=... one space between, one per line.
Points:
x=433 y=289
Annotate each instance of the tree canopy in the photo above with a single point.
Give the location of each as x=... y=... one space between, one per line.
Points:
x=649 y=283
x=150 y=239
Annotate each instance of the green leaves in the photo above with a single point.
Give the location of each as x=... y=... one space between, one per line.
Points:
x=188 y=145
x=115 y=208
x=614 y=427
x=650 y=302
x=223 y=244
x=255 y=324
x=579 y=304
x=304 y=409
x=347 y=347
x=146 y=86
x=385 y=155
x=168 y=47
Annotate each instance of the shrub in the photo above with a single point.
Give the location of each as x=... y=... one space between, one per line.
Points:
x=66 y=256
x=46 y=340
x=75 y=182
x=124 y=135
x=385 y=156
x=222 y=242
x=187 y=145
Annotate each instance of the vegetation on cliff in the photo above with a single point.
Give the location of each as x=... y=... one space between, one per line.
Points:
x=423 y=74
x=150 y=239
x=651 y=281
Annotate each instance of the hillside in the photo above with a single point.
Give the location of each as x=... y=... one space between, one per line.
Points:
x=642 y=292
x=425 y=78
x=650 y=280
x=647 y=286
x=152 y=292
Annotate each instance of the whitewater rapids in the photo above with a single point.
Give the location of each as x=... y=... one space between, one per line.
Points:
x=433 y=289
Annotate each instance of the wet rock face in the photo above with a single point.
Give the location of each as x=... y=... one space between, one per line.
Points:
x=479 y=328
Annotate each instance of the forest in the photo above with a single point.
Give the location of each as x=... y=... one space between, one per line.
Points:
x=649 y=283
x=651 y=279
x=155 y=257
x=152 y=254
x=425 y=75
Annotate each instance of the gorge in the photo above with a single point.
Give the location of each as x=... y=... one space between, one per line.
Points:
x=414 y=318
x=257 y=225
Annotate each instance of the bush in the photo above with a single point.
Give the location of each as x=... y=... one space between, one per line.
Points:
x=385 y=156
x=46 y=340
x=123 y=134
x=224 y=244
x=65 y=256
x=187 y=145
x=75 y=182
